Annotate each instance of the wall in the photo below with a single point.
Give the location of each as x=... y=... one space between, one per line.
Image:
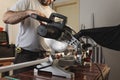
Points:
x=57 y=1
x=112 y=58
x=68 y=9
x=106 y=13
x=5 y=5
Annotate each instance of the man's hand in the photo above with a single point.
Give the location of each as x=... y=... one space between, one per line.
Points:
x=30 y=12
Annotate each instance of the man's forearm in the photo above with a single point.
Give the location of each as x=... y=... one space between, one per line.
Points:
x=13 y=17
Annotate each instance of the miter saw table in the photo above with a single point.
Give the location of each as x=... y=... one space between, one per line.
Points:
x=58 y=67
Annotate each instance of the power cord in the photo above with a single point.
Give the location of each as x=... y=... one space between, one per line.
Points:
x=100 y=71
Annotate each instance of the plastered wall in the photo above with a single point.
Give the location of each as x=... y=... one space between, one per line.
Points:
x=5 y=4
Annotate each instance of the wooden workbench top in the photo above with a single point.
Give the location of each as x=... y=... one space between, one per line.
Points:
x=81 y=73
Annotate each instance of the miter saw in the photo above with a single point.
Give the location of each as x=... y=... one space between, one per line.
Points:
x=56 y=28
x=61 y=59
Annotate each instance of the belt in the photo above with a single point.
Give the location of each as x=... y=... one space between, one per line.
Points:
x=19 y=50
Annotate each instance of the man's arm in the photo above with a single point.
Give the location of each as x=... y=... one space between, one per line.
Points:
x=13 y=17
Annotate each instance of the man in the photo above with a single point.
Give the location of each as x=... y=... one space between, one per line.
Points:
x=29 y=44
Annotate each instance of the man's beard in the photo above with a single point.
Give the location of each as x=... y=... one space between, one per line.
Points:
x=45 y=2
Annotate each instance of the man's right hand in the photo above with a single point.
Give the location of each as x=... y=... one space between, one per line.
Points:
x=30 y=12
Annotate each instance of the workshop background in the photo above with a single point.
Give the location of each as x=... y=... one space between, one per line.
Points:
x=92 y=13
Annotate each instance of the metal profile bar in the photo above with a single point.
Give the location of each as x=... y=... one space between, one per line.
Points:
x=22 y=65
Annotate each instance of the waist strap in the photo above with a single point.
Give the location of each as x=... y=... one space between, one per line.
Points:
x=19 y=50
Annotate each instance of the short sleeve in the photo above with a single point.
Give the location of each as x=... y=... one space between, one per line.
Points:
x=20 y=5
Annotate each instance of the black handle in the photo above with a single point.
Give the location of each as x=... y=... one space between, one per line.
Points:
x=40 y=18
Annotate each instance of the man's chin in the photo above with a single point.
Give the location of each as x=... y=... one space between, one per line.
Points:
x=46 y=4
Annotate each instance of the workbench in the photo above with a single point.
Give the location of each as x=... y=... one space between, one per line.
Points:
x=92 y=72
x=6 y=62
